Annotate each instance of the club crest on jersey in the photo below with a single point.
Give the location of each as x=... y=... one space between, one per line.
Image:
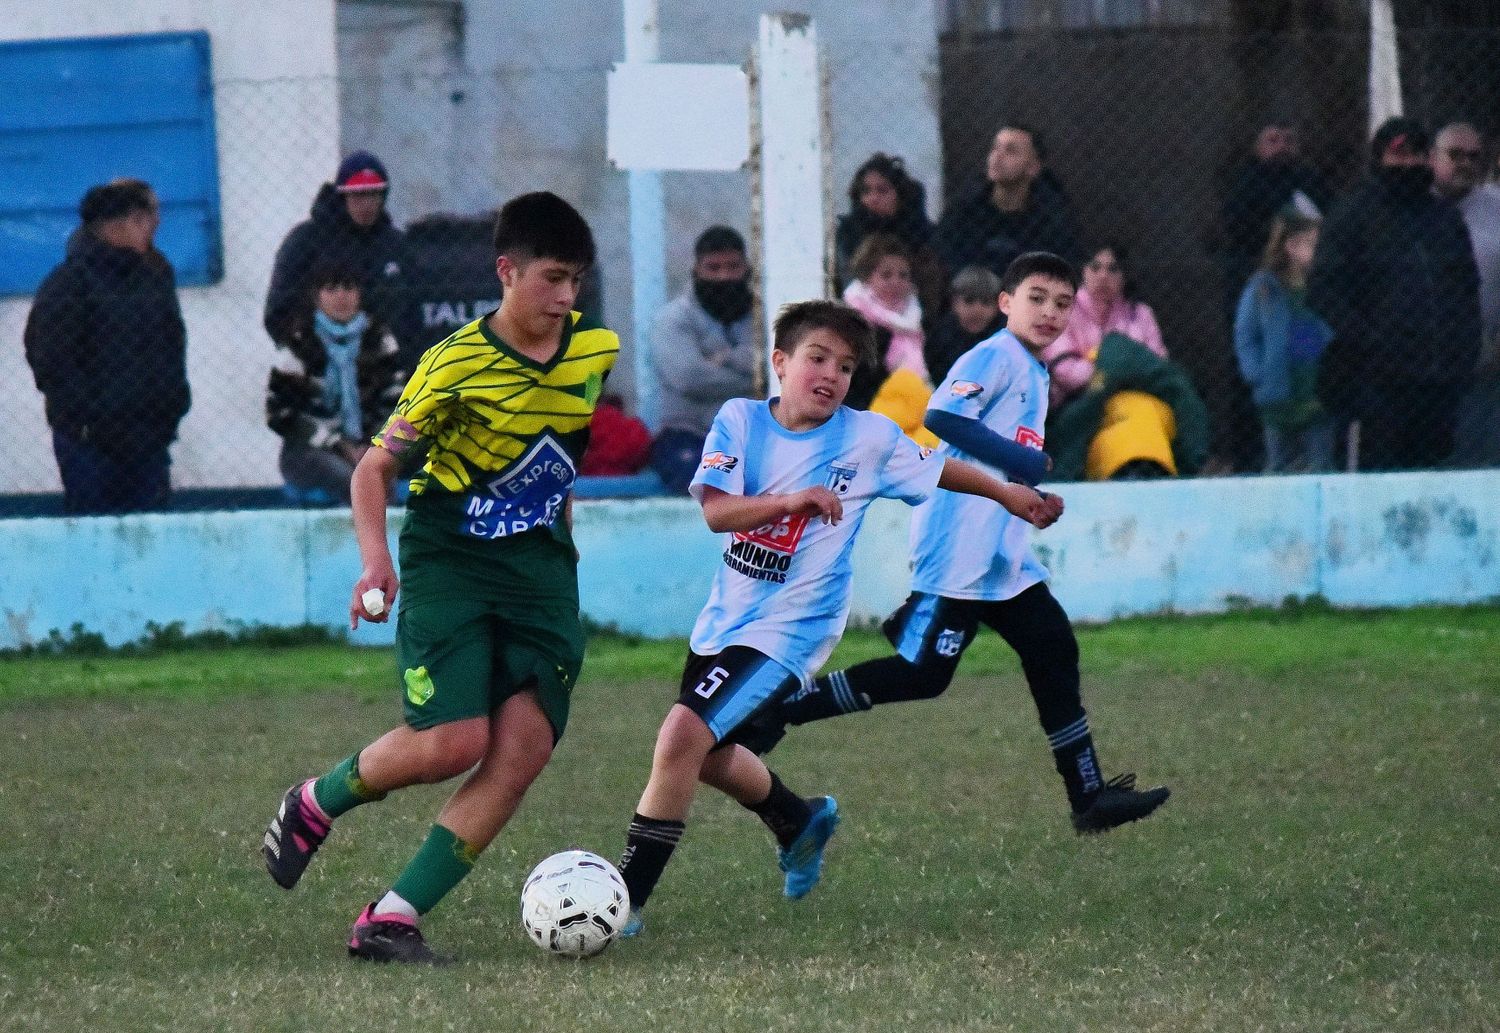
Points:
x=966 y=389
x=1028 y=437
x=840 y=476
x=529 y=493
x=949 y=643
x=720 y=461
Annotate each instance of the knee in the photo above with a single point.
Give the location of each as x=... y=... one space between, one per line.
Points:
x=683 y=744
x=929 y=680
x=451 y=749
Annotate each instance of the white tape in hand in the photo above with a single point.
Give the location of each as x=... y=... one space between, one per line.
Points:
x=374 y=602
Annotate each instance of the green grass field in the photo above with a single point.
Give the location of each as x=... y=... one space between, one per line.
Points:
x=1330 y=859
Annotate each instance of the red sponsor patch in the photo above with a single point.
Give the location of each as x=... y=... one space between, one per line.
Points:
x=1028 y=437
x=781 y=536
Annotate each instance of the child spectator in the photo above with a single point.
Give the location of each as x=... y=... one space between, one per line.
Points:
x=973 y=315
x=882 y=292
x=337 y=378
x=1106 y=303
x=1279 y=343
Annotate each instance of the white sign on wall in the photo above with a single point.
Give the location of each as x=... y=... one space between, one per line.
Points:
x=678 y=116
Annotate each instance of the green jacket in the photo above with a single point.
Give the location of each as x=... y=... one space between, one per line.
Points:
x=1126 y=365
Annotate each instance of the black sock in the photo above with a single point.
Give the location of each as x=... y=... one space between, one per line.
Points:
x=785 y=813
x=1077 y=763
x=648 y=847
x=828 y=696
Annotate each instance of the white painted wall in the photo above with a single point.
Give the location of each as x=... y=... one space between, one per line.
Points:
x=277 y=125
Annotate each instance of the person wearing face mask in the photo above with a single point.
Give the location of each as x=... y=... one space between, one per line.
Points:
x=701 y=353
x=1394 y=276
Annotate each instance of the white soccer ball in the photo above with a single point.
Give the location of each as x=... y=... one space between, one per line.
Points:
x=574 y=903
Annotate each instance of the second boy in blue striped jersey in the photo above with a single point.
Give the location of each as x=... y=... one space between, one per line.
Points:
x=973 y=564
x=788 y=482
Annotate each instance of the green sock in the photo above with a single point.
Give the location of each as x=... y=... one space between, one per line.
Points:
x=342 y=789
x=440 y=864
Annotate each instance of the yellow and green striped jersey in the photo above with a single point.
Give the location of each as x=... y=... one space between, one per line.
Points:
x=503 y=434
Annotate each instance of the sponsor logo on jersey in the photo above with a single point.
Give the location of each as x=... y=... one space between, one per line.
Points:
x=840 y=476
x=530 y=493
x=765 y=553
x=966 y=389
x=720 y=461
x=1028 y=437
x=949 y=643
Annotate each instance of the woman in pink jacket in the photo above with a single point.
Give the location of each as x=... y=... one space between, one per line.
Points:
x=1106 y=303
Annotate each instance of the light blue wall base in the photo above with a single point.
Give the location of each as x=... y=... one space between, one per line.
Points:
x=1191 y=547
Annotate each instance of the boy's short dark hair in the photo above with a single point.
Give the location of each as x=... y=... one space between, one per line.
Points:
x=874 y=248
x=332 y=273
x=543 y=225
x=716 y=239
x=794 y=322
x=1038 y=263
x=115 y=200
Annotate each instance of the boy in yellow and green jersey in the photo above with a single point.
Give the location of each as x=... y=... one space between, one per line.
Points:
x=489 y=641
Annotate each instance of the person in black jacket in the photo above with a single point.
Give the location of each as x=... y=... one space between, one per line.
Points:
x=338 y=376
x=1395 y=278
x=1019 y=208
x=349 y=225
x=107 y=346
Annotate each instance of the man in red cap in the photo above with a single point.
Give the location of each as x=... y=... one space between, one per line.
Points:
x=349 y=226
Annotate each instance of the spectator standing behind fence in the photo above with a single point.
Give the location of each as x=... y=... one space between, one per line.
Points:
x=973 y=315
x=1279 y=343
x=1106 y=303
x=1395 y=278
x=349 y=225
x=1457 y=164
x=884 y=198
x=1017 y=209
x=1261 y=185
x=338 y=379
x=701 y=353
x=108 y=348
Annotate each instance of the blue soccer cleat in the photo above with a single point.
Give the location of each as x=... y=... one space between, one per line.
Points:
x=634 y=924
x=803 y=860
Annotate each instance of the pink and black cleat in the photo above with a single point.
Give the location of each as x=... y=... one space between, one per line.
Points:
x=294 y=835
x=391 y=937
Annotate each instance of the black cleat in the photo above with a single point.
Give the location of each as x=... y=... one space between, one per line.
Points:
x=391 y=938
x=293 y=836
x=1117 y=803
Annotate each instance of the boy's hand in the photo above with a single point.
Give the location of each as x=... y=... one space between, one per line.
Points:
x=1054 y=504
x=818 y=501
x=1029 y=505
x=383 y=578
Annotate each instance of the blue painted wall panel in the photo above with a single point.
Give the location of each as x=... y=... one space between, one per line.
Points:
x=1121 y=549
x=83 y=111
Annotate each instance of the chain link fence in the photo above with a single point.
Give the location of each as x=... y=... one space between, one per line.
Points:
x=1160 y=161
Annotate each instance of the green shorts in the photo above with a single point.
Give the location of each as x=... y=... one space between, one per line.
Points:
x=473 y=628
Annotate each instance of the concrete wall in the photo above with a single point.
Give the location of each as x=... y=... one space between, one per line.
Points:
x=515 y=101
x=1122 y=549
x=276 y=106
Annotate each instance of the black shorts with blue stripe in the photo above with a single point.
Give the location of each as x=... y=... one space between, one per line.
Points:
x=729 y=690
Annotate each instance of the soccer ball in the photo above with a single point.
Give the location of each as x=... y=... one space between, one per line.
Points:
x=574 y=903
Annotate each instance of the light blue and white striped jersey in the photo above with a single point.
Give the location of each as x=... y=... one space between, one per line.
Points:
x=964 y=546
x=783 y=589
